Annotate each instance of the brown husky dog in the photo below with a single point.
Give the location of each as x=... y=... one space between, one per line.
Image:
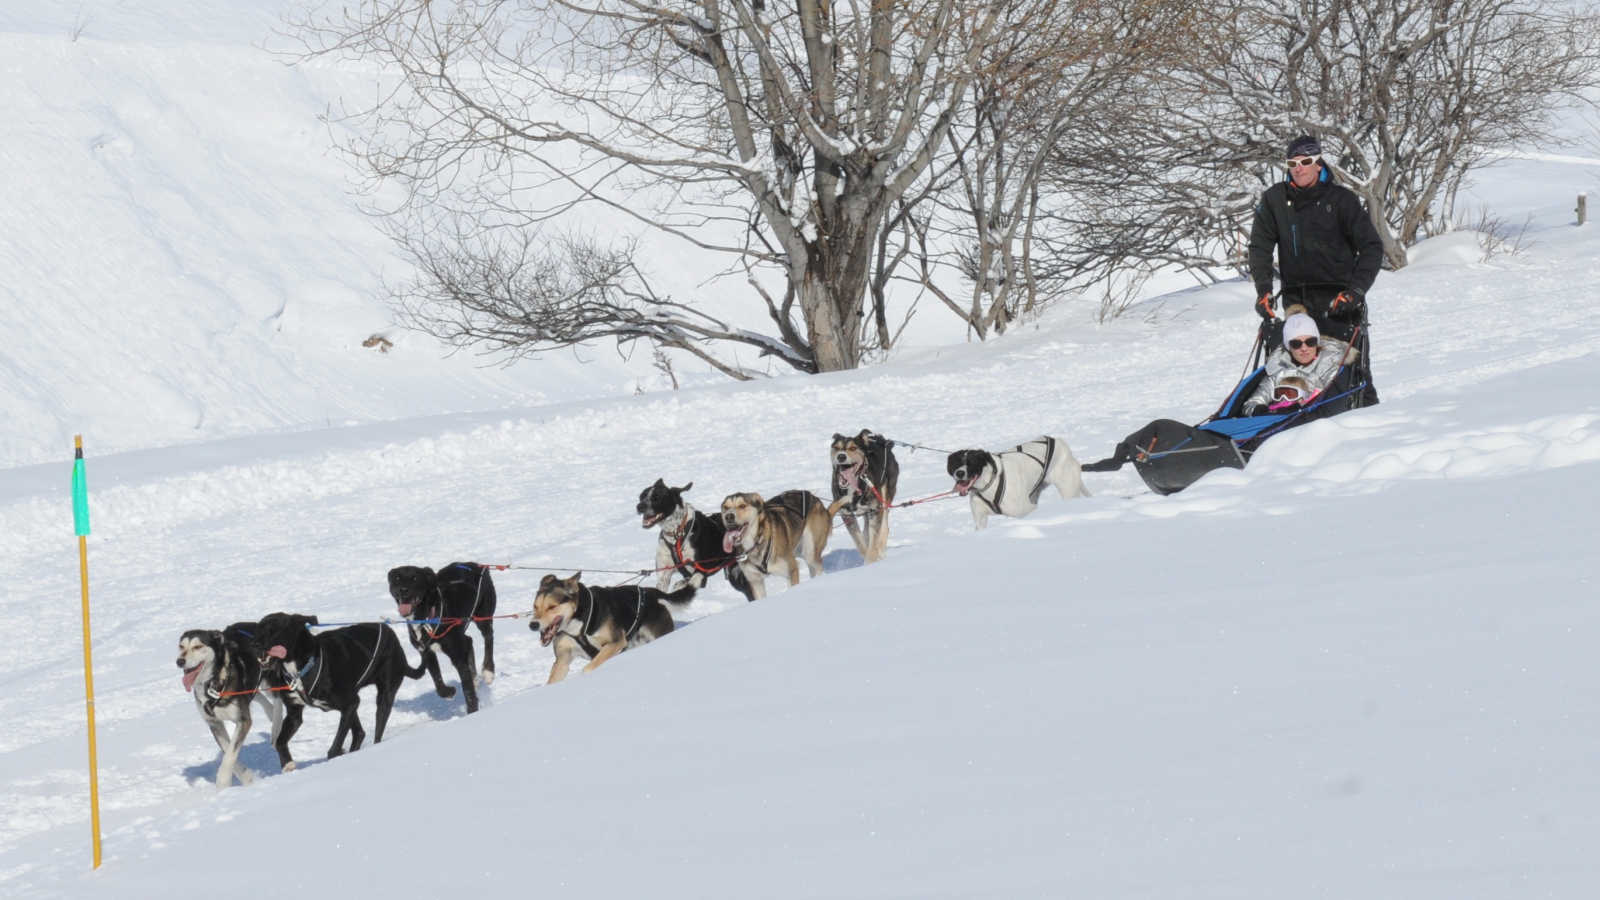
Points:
x=865 y=478
x=600 y=621
x=769 y=534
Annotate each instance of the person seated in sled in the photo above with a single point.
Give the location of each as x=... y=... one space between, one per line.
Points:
x=1301 y=369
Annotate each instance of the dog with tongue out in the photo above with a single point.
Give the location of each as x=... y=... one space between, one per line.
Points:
x=225 y=678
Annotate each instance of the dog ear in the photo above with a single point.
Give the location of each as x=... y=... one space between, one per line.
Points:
x=547 y=581
x=685 y=488
x=572 y=583
x=660 y=484
x=310 y=620
x=837 y=437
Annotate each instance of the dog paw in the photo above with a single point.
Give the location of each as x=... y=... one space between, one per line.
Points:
x=290 y=766
x=247 y=777
x=487 y=677
x=447 y=691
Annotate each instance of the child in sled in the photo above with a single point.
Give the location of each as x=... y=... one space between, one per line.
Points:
x=1300 y=369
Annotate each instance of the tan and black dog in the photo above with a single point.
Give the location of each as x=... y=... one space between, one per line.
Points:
x=600 y=621
x=865 y=477
x=772 y=536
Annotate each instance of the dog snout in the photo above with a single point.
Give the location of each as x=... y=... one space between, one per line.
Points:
x=841 y=458
x=181 y=662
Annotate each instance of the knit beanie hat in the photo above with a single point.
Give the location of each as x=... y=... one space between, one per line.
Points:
x=1304 y=145
x=1300 y=325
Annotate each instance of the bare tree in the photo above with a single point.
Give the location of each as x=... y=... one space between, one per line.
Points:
x=518 y=293
x=781 y=137
x=1408 y=96
x=1053 y=107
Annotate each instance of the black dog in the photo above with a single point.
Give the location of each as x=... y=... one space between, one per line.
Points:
x=690 y=542
x=458 y=594
x=327 y=670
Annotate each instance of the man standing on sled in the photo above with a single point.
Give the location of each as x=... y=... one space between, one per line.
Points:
x=1329 y=252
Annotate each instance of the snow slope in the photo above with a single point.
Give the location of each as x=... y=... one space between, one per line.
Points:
x=1117 y=696
x=185 y=257
x=1362 y=667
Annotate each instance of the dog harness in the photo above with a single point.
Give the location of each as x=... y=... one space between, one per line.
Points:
x=297 y=682
x=861 y=504
x=432 y=629
x=589 y=622
x=1038 y=486
x=675 y=547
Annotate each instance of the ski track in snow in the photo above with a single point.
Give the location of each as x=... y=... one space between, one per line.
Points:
x=557 y=488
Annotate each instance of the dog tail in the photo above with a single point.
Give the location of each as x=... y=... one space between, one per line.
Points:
x=681 y=596
x=405 y=664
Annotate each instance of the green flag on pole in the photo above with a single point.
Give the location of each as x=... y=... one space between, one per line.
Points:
x=80 y=496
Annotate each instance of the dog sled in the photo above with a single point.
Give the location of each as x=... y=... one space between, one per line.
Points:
x=1171 y=455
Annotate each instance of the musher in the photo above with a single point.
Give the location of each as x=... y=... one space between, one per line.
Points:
x=1329 y=253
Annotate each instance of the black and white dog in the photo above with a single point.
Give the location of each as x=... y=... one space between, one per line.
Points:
x=1009 y=483
x=457 y=595
x=865 y=477
x=225 y=678
x=690 y=542
x=327 y=671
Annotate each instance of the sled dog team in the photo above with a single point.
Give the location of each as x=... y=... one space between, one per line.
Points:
x=281 y=664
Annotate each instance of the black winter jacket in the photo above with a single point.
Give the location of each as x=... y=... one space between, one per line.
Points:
x=1323 y=235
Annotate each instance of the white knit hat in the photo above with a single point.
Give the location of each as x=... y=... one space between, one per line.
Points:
x=1300 y=325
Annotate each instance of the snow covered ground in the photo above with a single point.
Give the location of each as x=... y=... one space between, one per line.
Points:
x=1361 y=667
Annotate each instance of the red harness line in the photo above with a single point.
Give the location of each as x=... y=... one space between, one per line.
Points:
x=287 y=687
x=450 y=622
x=677 y=553
x=943 y=496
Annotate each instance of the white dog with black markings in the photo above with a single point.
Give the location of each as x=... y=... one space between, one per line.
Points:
x=1009 y=483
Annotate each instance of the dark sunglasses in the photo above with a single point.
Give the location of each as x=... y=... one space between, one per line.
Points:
x=1296 y=343
x=1304 y=161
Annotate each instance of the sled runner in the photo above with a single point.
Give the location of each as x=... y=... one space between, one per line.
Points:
x=1171 y=455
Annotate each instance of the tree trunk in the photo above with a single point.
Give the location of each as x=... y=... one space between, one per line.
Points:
x=830 y=324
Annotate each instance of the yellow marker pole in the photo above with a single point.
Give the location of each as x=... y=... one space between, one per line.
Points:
x=80 y=522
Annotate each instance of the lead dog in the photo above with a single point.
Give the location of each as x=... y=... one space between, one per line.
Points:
x=228 y=679
x=457 y=595
x=865 y=477
x=1009 y=483
x=327 y=671
x=600 y=621
x=770 y=534
x=690 y=542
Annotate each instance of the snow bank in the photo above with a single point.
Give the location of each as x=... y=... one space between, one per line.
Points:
x=1118 y=709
